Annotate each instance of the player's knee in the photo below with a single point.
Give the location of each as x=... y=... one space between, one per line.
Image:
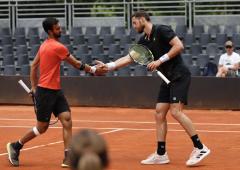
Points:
x=40 y=130
x=175 y=112
x=160 y=115
x=67 y=122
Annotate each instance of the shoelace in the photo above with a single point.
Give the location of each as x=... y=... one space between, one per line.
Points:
x=193 y=152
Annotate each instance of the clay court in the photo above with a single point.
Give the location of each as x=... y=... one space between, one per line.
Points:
x=130 y=135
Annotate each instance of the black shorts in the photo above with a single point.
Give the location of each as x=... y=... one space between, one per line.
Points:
x=176 y=91
x=49 y=101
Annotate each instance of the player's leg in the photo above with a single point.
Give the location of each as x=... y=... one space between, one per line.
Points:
x=44 y=110
x=160 y=156
x=62 y=111
x=178 y=97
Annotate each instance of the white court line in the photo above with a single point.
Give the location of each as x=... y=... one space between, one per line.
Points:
x=133 y=122
x=131 y=129
x=53 y=143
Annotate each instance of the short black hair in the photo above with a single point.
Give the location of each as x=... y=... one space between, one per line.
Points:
x=48 y=23
x=141 y=13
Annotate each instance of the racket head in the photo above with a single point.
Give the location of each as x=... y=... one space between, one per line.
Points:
x=140 y=54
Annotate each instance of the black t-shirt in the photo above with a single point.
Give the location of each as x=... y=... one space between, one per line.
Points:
x=158 y=43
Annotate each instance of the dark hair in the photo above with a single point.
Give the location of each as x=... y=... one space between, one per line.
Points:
x=141 y=13
x=88 y=151
x=48 y=23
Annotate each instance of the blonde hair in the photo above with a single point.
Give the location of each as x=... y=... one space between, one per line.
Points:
x=88 y=151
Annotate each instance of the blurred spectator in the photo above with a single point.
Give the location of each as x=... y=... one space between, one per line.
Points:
x=228 y=62
x=88 y=151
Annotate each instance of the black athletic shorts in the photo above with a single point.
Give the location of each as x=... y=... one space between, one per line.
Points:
x=176 y=91
x=49 y=101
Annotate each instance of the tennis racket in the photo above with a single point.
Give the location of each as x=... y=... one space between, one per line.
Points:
x=143 y=56
x=25 y=87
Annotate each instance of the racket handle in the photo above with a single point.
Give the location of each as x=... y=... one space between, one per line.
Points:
x=163 y=77
x=24 y=86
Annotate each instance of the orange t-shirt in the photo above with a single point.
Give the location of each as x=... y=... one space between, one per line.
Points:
x=51 y=53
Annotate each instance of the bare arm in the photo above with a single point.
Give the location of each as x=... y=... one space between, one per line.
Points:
x=177 y=47
x=76 y=63
x=33 y=72
x=123 y=61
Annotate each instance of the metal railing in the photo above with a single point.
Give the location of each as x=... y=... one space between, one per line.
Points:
x=71 y=11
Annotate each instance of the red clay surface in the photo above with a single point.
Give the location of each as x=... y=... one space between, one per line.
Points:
x=130 y=135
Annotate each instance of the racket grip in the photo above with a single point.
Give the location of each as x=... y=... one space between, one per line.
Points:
x=24 y=86
x=163 y=77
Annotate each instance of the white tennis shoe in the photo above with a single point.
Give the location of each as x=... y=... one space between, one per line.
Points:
x=197 y=155
x=156 y=159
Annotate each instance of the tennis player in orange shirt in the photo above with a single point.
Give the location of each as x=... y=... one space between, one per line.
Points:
x=47 y=91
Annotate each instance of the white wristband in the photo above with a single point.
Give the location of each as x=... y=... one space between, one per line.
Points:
x=93 y=69
x=111 y=66
x=164 y=58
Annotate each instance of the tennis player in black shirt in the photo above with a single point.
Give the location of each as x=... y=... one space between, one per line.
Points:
x=166 y=48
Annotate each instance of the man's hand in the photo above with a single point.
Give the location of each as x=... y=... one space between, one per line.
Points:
x=32 y=92
x=154 y=65
x=101 y=68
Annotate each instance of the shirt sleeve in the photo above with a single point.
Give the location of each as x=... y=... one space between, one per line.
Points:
x=166 y=33
x=62 y=52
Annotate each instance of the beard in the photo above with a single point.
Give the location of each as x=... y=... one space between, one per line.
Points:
x=57 y=35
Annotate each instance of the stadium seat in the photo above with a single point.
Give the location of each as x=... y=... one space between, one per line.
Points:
x=107 y=41
x=6 y=40
x=7 y=49
x=202 y=60
x=187 y=59
x=220 y=40
x=124 y=72
x=195 y=50
x=213 y=30
x=8 y=60
x=125 y=39
x=34 y=40
x=195 y=70
x=20 y=40
x=86 y=58
x=78 y=39
x=188 y=40
x=76 y=31
x=93 y=39
x=22 y=49
x=65 y=39
x=20 y=31
x=33 y=32
x=104 y=31
x=25 y=70
x=97 y=49
x=204 y=40
x=82 y=49
x=140 y=70
x=212 y=50
x=119 y=31
x=133 y=34
x=33 y=51
x=9 y=70
x=114 y=50
x=5 y=31
x=90 y=31
x=236 y=40
x=181 y=30
x=71 y=71
x=230 y=30
x=198 y=30
x=22 y=59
